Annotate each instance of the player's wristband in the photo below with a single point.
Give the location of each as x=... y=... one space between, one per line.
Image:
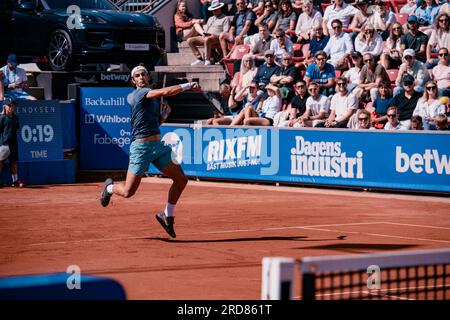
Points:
x=186 y=86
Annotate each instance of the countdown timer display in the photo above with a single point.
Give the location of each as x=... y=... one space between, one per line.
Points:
x=40 y=133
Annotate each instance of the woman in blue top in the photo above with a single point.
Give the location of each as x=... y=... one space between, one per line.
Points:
x=426 y=14
x=146 y=148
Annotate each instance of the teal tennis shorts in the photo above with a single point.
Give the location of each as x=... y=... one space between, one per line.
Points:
x=144 y=153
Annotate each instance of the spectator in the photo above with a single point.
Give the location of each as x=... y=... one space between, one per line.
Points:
x=9 y=128
x=306 y=22
x=217 y=24
x=406 y=101
x=371 y=76
x=185 y=24
x=263 y=44
x=339 y=46
x=15 y=80
x=205 y=14
x=285 y=78
x=264 y=113
x=441 y=122
x=429 y=105
x=241 y=26
x=297 y=6
x=369 y=41
x=353 y=75
x=414 y=68
x=282 y=44
x=393 y=122
x=382 y=20
x=247 y=72
x=322 y=73
x=361 y=17
x=318 y=42
x=381 y=104
x=414 y=39
x=297 y=107
x=338 y=11
x=416 y=123
x=266 y=71
x=440 y=38
x=441 y=73
x=445 y=8
x=268 y=17
x=257 y=6
x=343 y=105
x=409 y=7
x=317 y=108
x=235 y=104
x=286 y=18
x=426 y=15
x=360 y=120
x=391 y=56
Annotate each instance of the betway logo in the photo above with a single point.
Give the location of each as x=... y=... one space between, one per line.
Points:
x=114 y=77
x=105 y=102
x=430 y=162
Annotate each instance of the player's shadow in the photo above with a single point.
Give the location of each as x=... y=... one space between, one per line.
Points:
x=361 y=247
x=250 y=239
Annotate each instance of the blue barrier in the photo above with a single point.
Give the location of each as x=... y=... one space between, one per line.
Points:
x=56 y=287
x=377 y=159
x=105 y=128
x=46 y=128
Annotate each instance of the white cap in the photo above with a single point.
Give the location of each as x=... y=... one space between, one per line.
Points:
x=136 y=69
x=409 y=52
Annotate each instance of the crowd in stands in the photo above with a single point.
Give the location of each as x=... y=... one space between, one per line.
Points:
x=347 y=64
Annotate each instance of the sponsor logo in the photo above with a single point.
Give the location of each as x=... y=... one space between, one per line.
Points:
x=234 y=152
x=430 y=162
x=173 y=140
x=92 y=119
x=324 y=159
x=114 y=77
x=103 y=139
x=120 y=101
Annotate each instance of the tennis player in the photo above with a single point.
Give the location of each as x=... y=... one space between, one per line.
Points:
x=146 y=147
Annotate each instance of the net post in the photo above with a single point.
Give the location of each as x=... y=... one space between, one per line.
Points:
x=308 y=286
x=277 y=278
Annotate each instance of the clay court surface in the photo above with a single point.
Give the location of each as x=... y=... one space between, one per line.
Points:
x=224 y=230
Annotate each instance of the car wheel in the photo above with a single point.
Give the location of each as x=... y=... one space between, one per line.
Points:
x=60 y=51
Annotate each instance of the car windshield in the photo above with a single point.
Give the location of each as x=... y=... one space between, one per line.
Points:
x=83 y=4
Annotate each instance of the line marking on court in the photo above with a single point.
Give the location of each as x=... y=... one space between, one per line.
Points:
x=416 y=225
x=307 y=227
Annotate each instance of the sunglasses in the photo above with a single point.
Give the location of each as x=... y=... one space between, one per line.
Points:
x=341 y=84
x=336 y=27
x=397 y=28
x=269 y=55
x=408 y=58
x=431 y=88
x=368 y=60
x=370 y=31
x=320 y=59
x=443 y=54
x=300 y=87
x=280 y=37
x=363 y=119
x=286 y=59
x=392 y=115
x=313 y=89
x=408 y=83
x=443 y=20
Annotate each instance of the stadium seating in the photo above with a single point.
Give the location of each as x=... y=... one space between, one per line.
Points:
x=238 y=52
x=402 y=18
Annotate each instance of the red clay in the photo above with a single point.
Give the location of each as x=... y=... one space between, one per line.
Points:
x=224 y=231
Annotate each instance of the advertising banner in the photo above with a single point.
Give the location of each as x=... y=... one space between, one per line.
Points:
x=40 y=133
x=377 y=159
x=105 y=128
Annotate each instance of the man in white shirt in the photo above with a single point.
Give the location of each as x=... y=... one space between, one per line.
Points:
x=413 y=67
x=343 y=106
x=393 y=122
x=317 y=108
x=14 y=81
x=338 y=11
x=339 y=46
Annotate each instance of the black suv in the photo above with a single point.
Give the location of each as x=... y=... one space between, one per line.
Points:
x=62 y=34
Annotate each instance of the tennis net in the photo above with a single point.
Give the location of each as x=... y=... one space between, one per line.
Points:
x=411 y=275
